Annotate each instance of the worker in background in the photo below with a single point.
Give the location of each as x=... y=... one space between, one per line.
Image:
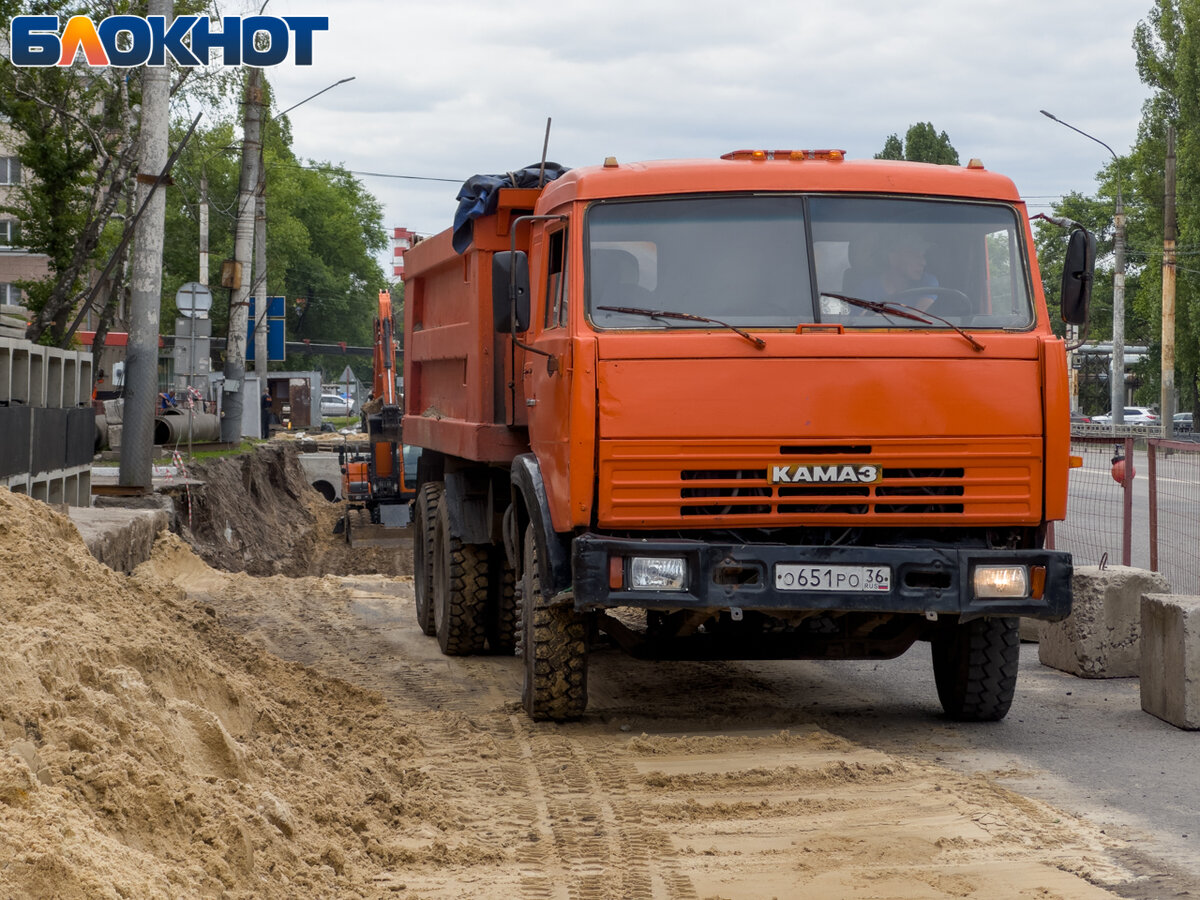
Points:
x=266 y=413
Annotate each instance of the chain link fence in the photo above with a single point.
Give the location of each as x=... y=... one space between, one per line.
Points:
x=1135 y=501
x=1174 y=512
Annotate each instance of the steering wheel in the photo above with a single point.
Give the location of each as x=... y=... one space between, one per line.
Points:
x=956 y=302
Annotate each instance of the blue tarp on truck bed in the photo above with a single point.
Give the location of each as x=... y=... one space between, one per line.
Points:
x=480 y=193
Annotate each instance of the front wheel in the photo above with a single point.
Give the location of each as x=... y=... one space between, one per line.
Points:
x=975 y=668
x=554 y=648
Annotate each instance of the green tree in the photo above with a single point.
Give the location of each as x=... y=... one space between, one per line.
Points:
x=921 y=143
x=1167 y=47
x=323 y=232
x=76 y=131
x=893 y=148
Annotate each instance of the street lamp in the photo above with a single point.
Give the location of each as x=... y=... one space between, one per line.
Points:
x=260 y=242
x=1117 y=381
x=317 y=94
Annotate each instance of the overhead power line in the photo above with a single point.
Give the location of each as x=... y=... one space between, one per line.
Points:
x=372 y=174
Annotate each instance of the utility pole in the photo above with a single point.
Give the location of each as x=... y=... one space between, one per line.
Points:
x=260 y=275
x=1118 y=328
x=260 y=240
x=141 y=360
x=1166 y=406
x=203 y=279
x=235 y=344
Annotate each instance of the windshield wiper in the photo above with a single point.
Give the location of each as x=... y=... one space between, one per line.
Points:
x=691 y=317
x=886 y=308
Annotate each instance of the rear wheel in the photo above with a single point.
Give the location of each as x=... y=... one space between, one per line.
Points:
x=975 y=668
x=502 y=605
x=427 y=504
x=554 y=647
x=459 y=590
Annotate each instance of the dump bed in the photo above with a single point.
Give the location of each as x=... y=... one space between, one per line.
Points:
x=456 y=365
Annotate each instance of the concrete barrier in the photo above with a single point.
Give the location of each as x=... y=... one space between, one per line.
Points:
x=122 y=539
x=1100 y=638
x=1170 y=682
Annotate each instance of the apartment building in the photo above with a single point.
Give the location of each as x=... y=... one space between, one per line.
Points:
x=16 y=264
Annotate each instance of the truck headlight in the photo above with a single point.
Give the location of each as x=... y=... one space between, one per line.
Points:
x=1001 y=581
x=655 y=573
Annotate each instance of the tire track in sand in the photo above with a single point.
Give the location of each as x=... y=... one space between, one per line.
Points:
x=596 y=832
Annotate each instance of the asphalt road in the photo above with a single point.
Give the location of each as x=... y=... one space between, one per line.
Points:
x=1083 y=745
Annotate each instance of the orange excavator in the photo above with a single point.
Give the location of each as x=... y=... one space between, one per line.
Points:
x=373 y=479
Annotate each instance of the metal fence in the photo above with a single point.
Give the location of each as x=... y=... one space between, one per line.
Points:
x=1136 y=502
x=1174 y=512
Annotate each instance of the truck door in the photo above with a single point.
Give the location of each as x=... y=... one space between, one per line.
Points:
x=547 y=373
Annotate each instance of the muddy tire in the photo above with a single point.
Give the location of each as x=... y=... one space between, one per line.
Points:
x=554 y=648
x=975 y=668
x=428 y=501
x=460 y=586
x=503 y=615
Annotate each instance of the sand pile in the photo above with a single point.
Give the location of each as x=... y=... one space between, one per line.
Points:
x=257 y=513
x=147 y=751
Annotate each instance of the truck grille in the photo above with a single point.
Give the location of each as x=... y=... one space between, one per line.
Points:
x=651 y=484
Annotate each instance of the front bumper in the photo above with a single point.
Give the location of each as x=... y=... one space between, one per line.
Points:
x=924 y=580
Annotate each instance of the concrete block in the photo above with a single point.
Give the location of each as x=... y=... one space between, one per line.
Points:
x=1030 y=630
x=122 y=539
x=323 y=472
x=1170 y=681
x=1099 y=639
x=114 y=411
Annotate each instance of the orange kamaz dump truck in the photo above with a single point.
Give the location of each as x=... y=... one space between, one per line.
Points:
x=773 y=405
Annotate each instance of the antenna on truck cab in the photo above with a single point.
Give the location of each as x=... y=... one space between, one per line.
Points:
x=545 y=147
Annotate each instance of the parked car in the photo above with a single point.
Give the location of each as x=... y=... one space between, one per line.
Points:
x=1183 y=423
x=1134 y=415
x=336 y=405
x=1080 y=419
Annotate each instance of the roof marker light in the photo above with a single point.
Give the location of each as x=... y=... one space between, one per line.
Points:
x=794 y=155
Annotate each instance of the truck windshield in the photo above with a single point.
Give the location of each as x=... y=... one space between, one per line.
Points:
x=775 y=261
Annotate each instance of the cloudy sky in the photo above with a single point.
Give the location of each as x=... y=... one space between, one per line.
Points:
x=445 y=89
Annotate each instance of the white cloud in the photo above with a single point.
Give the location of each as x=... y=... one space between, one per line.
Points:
x=456 y=87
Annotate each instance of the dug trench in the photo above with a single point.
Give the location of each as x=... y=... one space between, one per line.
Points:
x=254 y=712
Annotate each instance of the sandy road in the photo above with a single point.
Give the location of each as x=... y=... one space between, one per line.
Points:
x=684 y=780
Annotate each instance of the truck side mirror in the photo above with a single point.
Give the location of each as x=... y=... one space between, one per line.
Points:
x=510 y=291
x=1078 y=269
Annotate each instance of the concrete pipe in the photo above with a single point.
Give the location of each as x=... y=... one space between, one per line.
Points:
x=173 y=429
x=101 y=433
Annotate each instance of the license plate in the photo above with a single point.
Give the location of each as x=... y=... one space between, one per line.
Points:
x=853 y=579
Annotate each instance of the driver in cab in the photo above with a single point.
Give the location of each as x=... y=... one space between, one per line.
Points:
x=903 y=270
